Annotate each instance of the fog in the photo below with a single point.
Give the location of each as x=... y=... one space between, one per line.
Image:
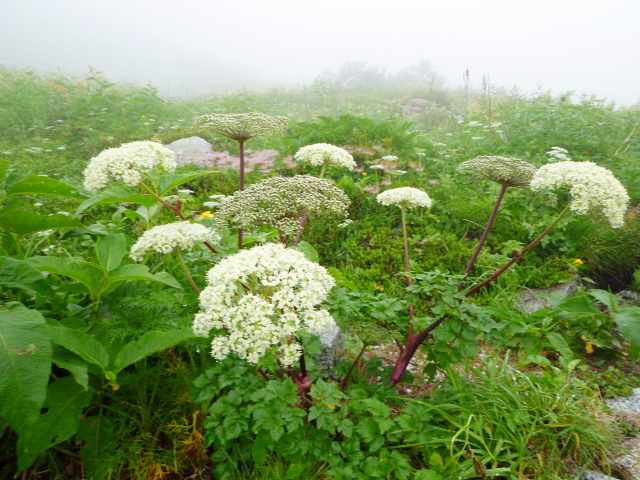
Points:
x=580 y=46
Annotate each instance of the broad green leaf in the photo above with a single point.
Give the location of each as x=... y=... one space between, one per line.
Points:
x=117 y=195
x=4 y=168
x=99 y=444
x=18 y=274
x=72 y=362
x=25 y=363
x=37 y=185
x=628 y=320
x=135 y=271
x=65 y=401
x=111 y=249
x=24 y=222
x=169 y=181
x=149 y=343
x=427 y=475
x=560 y=345
x=608 y=298
x=308 y=250
x=89 y=274
x=82 y=344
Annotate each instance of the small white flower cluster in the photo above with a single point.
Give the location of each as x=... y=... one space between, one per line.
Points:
x=558 y=154
x=242 y=126
x=589 y=185
x=346 y=223
x=165 y=238
x=405 y=196
x=508 y=171
x=126 y=162
x=282 y=202
x=377 y=167
x=262 y=297
x=389 y=158
x=325 y=153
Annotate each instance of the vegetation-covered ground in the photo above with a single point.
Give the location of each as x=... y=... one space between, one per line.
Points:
x=107 y=381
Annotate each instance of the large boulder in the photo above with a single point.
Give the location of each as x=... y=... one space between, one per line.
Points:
x=191 y=150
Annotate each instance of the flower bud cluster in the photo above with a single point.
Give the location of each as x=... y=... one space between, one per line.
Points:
x=589 y=185
x=405 y=196
x=126 y=163
x=261 y=298
x=242 y=126
x=282 y=201
x=511 y=172
x=165 y=238
x=325 y=154
x=558 y=154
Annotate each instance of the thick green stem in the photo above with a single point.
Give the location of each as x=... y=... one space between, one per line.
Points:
x=518 y=255
x=186 y=271
x=323 y=171
x=487 y=229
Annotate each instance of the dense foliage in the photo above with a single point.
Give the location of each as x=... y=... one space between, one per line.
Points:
x=103 y=376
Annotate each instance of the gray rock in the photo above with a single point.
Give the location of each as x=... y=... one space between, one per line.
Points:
x=333 y=344
x=191 y=150
x=530 y=299
x=591 y=475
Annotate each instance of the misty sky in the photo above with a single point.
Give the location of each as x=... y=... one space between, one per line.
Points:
x=584 y=46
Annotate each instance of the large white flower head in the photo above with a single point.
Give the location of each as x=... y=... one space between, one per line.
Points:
x=126 y=163
x=260 y=298
x=282 y=201
x=325 y=154
x=508 y=171
x=241 y=126
x=405 y=197
x=589 y=185
x=166 y=238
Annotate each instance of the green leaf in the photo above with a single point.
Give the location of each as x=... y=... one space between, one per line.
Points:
x=149 y=343
x=628 y=320
x=169 y=181
x=38 y=185
x=18 y=274
x=308 y=250
x=427 y=475
x=117 y=195
x=136 y=271
x=25 y=363
x=89 y=274
x=72 y=362
x=4 y=168
x=82 y=344
x=65 y=401
x=99 y=444
x=608 y=298
x=559 y=344
x=111 y=249
x=24 y=222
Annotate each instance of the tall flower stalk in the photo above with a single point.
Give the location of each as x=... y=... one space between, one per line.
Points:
x=589 y=185
x=241 y=127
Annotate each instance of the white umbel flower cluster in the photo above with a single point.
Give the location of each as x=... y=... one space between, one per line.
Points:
x=282 y=201
x=126 y=163
x=242 y=126
x=165 y=238
x=405 y=196
x=260 y=298
x=325 y=153
x=558 y=154
x=589 y=185
x=508 y=171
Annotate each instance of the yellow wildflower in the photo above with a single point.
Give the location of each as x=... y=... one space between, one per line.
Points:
x=577 y=262
x=206 y=214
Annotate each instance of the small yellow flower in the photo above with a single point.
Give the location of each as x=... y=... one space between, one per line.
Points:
x=577 y=262
x=143 y=116
x=206 y=214
x=378 y=287
x=255 y=111
x=364 y=174
x=331 y=406
x=315 y=116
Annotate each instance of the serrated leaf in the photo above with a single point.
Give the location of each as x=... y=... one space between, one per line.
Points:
x=117 y=195
x=308 y=250
x=135 y=271
x=38 y=185
x=82 y=344
x=558 y=342
x=169 y=181
x=111 y=249
x=24 y=222
x=65 y=401
x=25 y=363
x=150 y=342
